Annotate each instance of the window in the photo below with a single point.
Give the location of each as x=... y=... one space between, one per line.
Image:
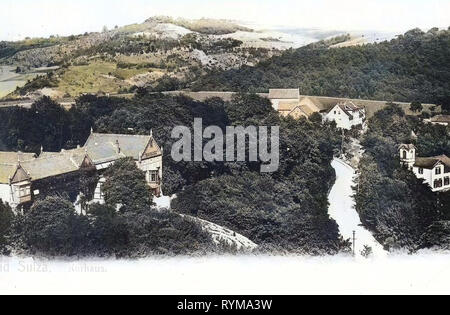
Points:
x=404 y=155
x=335 y=112
x=438 y=183
x=421 y=171
x=447 y=181
x=99 y=192
x=24 y=191
x=153 y=176
x=438 y=170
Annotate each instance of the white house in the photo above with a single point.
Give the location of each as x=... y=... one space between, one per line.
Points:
x=347 y=115
x=435 y=171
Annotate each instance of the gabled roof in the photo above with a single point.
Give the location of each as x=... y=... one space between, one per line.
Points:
x=407 y=146
x=14 y=157
x=431 y=162
x=307 y=110
x=306 y=101
x=7 y=171
x=103 y=148
x=284 y=94
x=348 y=107
x=9 y=163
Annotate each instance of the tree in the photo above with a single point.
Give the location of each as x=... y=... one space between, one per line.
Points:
x=416 y=107
x=109 y=232
x=316 y=117
x=245 y=108
x=367 y=251
x=125 y=187
x=53 y=227
x=6 y=217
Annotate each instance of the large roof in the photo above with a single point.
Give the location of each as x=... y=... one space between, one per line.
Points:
x=103 y=148
x=77 y=155
x=14 y=157
x=9 y=162
x=287 y=105
x=6 y=172
x=308 y=102
x=48 y=166
x=305 y=106
x=284 y=94
x=430 y=162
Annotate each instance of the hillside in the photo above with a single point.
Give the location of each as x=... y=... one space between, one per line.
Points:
x=162 y=53
x=412 y=67
x=127 y=57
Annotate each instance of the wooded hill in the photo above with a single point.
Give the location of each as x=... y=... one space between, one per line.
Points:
x=413 y=67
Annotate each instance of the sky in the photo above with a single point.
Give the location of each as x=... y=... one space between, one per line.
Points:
x=36 y=18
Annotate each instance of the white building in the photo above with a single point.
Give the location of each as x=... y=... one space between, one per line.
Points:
x=105 y=149
x=22 y=175
x=435 y=171
x=347 y=115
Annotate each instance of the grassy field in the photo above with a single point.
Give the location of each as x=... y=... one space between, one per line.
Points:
x=98 y=76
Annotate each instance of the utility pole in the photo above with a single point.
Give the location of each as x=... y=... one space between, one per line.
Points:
x=354 y=243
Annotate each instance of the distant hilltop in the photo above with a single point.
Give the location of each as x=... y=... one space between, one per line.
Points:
x=202 y=26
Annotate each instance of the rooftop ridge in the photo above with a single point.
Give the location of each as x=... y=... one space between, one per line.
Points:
x=119 y=135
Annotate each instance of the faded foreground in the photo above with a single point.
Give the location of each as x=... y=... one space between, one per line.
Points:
x=425 y=273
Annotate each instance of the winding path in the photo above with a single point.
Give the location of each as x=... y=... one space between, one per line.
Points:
x=342 y=210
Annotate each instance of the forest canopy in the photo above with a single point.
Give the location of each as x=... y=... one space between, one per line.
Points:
x=412 y=67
